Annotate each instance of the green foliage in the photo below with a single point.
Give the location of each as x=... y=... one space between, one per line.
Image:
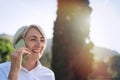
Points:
x=114 y=66
x=46 y=59
x=5 y=49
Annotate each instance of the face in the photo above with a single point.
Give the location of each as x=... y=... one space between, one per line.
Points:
x=34 y=41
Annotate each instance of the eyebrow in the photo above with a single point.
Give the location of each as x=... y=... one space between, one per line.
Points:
x=36 y=37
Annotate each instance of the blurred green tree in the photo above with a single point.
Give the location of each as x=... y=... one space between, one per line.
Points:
x=72 y=59
x=114 y=67
x=46 y=59
x=5 y=49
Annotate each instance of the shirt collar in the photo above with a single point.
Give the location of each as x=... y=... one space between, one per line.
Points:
x=38 y=66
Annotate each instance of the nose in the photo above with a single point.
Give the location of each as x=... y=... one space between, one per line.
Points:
x=38 y=44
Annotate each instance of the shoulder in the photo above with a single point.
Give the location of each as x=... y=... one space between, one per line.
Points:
x=4 y=70
x=5 y=65
x=46 y=70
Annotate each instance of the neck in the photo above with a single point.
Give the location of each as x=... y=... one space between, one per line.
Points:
x=29 y=65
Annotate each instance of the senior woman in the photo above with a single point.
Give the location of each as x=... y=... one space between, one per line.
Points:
x=25 y=64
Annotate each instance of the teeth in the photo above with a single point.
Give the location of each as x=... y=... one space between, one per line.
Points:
x=37 y=51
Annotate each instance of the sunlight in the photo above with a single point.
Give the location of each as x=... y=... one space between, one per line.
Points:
x=97 y=59
x=102 y=25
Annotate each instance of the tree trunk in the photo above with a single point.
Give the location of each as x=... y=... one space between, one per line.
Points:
x=72 y=59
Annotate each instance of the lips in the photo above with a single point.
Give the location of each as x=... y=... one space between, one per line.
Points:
x=36 y=51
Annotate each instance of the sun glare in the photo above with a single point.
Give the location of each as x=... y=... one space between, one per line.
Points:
x=102 y=24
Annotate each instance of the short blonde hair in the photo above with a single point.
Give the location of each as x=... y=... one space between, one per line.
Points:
x=21 y=33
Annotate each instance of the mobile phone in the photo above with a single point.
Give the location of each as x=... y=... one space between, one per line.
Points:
x=19 y=44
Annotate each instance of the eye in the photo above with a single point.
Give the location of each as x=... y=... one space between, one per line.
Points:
x=33 y=39
x=42 y=40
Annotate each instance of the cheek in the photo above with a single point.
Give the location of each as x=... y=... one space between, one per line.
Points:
x=43 y=47
x=29 y=45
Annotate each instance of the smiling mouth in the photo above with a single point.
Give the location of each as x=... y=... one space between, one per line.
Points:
x=36 y=51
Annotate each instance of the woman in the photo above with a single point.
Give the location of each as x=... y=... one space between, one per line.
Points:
x=25 y=63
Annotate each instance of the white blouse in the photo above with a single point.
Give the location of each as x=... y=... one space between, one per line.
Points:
x=38 y=73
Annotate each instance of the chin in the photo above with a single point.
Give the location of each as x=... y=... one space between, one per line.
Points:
x=35 y=54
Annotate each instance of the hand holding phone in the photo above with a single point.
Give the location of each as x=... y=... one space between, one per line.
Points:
x=19 y=44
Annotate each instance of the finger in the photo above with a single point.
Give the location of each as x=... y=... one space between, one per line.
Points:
x=25 y=49
x=26 y=52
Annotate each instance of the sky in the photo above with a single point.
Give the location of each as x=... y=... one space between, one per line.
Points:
x=17 y=13
x=105 y=23
x=105 y=19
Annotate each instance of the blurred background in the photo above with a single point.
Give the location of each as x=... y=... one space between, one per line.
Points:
x=55 y=17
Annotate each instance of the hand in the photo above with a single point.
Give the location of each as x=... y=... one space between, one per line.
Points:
x=16 y=57
x=16 y=61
